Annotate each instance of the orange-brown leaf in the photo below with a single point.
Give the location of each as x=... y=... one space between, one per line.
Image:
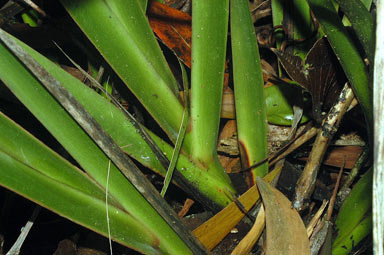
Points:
x=173 y=27
x=335 y=157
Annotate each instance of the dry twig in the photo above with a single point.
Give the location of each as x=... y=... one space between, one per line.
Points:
x=246 y=244
x=306 y=182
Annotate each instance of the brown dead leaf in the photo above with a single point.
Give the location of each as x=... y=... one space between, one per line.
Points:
x=66 y=247
x=89 y=251
x=231 y=165
x=229 y=130
x=228 y=139
x=286 y=233
x=74 y=72
x=187 y=205
x=228 y=146
x=335 y=157
x=211 y=232
x=173 y=27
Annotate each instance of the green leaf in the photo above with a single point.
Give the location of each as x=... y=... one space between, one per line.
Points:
x=121 y=32
x=130 y=47
x=301 y=18
x=81 y=147
x=144 y=4
x=277 y=7
x=126 y=136
x=25 y=148
x=209 y=36
x=354 y=221
x=76 y=205
x=181 y=134
x=362 y=23
x=347 y=53
x=295 y=16
x=280 y=99
x=249 y=92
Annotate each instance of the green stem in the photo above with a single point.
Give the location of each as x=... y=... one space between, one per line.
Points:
x=209 y=38
x=249 y=93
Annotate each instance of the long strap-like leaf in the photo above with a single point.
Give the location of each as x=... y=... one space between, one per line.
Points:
x=105 y=142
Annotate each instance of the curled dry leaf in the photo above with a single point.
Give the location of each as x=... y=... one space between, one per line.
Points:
x=286 y=233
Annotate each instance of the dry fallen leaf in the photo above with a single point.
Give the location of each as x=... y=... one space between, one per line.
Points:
x=335 y=156
x=286 y=233
x=173 y=27
x=211 y=232
x=228 y=139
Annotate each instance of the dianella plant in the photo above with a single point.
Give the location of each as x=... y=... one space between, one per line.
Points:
x=99 y=136
x=102 y=188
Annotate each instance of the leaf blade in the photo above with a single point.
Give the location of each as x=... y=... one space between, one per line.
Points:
x=74 y=205
x=250 y=107
x=130 y=47
x=85 y=151
x=286 y=232
x=347 y=53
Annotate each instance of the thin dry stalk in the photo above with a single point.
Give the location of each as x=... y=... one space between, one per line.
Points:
x=246 y=244
x=354 y=172
x=333 y=197
x=35 y=7
x=306 y=182
x=312 y=224
x=16 y=247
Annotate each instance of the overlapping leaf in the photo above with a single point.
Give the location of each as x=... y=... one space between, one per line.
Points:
x=319 y=74
x=286 y=233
